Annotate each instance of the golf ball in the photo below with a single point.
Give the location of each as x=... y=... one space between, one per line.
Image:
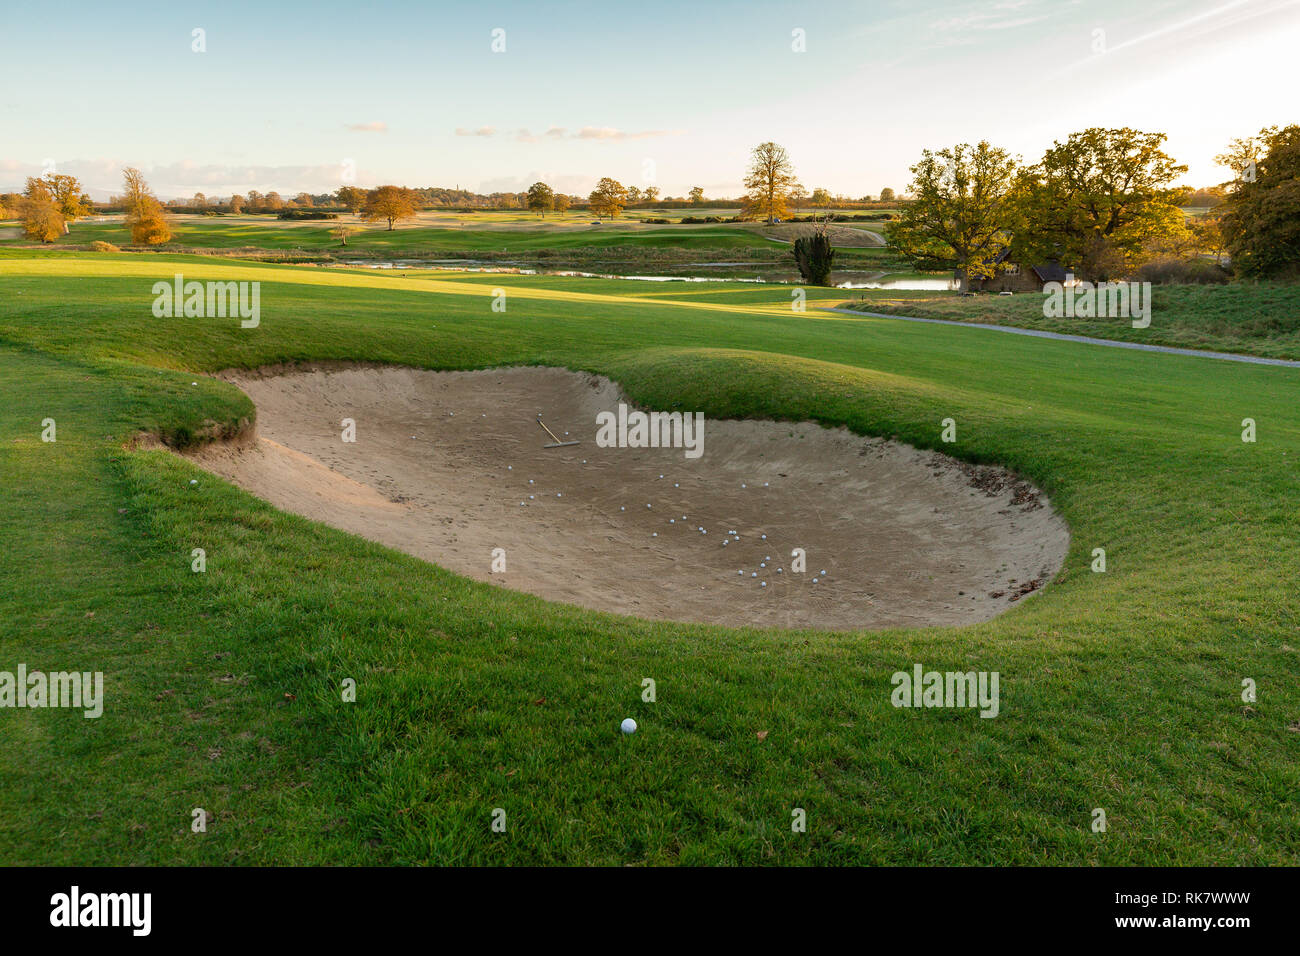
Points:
x=628 y=726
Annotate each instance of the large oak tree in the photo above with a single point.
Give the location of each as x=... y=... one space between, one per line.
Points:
x=962 y=215
x=608 y=198
x=390 y=204
x=541 y=198
x=1261 y=224
x=1096 y=201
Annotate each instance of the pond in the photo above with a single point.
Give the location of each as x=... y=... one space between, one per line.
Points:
x=904 y=285
x=845 y=279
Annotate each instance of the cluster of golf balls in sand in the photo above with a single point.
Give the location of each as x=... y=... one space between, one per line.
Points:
x=731 y=536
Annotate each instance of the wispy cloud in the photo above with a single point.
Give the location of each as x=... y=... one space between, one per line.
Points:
x=375 y=127
x=610 y=133
x=598 y=133
x=1208 y=23
x=1005 y=15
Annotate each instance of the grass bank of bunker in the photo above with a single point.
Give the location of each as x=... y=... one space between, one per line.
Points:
x=450 y=466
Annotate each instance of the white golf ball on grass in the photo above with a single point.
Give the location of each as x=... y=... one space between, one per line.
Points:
x=628 y=726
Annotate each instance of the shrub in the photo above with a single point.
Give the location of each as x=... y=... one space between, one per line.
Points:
x=99 y=245
x=306 y=214
x=814 y=255
x=1170 y=270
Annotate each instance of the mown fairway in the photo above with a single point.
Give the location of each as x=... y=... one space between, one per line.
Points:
x=623 y=246
x=267 y=233
x=1120 y=690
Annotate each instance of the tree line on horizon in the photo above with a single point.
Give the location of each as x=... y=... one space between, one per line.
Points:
x=1103 y=204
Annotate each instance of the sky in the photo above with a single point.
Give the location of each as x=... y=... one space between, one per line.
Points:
x=292 y=96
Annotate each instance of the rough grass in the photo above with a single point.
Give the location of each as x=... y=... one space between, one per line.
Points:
x=1256 y=318
x=1119 y=690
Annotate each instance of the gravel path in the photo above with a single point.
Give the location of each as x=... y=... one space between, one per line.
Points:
x=1086 y=339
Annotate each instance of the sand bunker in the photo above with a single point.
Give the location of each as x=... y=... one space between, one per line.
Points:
x=449 y=466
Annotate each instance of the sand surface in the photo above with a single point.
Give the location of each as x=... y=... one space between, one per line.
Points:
x=449 y=466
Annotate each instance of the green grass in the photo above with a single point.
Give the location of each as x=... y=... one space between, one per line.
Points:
x=1119 y=690
x=219 y=234
x=1255 y=318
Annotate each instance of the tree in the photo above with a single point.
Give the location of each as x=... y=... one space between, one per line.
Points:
x=1209 y=236
x=236 y=203
x=273 y=201
x=963 y=214
x=813 y=254
x=561 y=203
x=1097 y=200
x=304 y=200
x=1261 y=219
x=255 y=200
x=697 y=196
x=650 y=194
x=821 y=199
x=541 y=198
x=608 y=198
x=342 y=231
x=66 y=194
x=199 y=200
x=351 y=197
x=886 y=195
x=144 y=213
x=634 y=194
x=42 y=219
x=770 y=182
x=389 y=203
x=1244 y=153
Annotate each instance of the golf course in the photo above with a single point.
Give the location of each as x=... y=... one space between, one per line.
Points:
x=226 y=689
